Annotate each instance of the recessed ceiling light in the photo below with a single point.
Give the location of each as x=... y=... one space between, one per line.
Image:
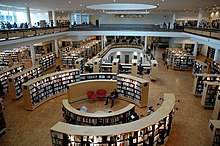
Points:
x=114 y=0
x=103 y=11
x=81 y=5
x=25 y=4
x=69 y=2
x=62 y=11
x=56 y=8
x=162 y=0
x=158 y=4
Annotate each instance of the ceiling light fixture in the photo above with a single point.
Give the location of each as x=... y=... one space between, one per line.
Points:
x=126 y=12
x=122 y=6
x=69 y=2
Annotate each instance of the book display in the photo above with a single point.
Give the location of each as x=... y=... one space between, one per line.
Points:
x=5 y=74
x=134 y=67
x=216 y=111
x=199 y=79
x=213 y=136
x=171 y=52
x=154 y=70
x=68 y=59
x=76 y=117
x=2 y=119
x=126 y=68
x=183 y=62
x=98 y=76
x=211 y=53
x=106 y=67
x=4 y=59
x=209 y=94
x=148 y=131
x=79 y=63
x=42 y=89
x=15 y=82
x=115 y=65
x=133 y=88
x=200 y=67
x=47 y=61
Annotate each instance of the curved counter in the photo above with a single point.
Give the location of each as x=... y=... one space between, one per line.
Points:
x=74 y=116
x=153 y=129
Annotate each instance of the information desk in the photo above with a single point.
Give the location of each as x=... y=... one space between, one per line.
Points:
x=80 y=89
x=150 y=130
x=77 y=117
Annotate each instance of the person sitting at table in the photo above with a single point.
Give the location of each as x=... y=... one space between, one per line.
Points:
x=112 y=96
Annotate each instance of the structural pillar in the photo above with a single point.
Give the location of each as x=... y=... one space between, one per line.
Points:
x=145 y=43
x=216 y=55
x=172 y=26
x=199 y=17
x=183 y=46
x=104 y=41
x=56 y=47
x=54 y=18
x=195 y=49
x=102 y=37
x=28 y=17
x=32 y=55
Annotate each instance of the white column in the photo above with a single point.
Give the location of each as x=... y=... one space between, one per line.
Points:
x=216 y=55
x=195 y=49
x=56 y=47
x=115 y=39
x=173 y=21
x=199 y=17
x=54 y=18
x=102 y=45
x=104 y=41
x=80 y=20
x=145 y=43
x=32 y=55
x=28 y=16
x=183 y=46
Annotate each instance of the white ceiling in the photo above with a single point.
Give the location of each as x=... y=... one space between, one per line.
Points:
x=78 y=6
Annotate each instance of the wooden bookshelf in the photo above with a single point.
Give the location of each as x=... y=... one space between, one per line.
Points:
x=199 y=79
x=133 y=88
x=44 y=88
x=183 y=62
x=115 y=64
x=98 y=76
x=46 y=61
x=5 y=74
x=209 y=94
x=15 y=82
x=80 y=64
x=150 y=130
x=134 y=67
x=77 y=117
x=96 y=65
x=215 y=68
x=68 y=59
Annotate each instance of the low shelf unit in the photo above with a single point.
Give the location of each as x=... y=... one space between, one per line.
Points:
x=216 y=111
x=5 y=74
x=199 y=79
x=15 y=82
x=47 y=61
x=76 y=117
x=209 y=94
x=213 y=136
x=154 y=70
x=69 y=59
x=80 y=64
x=183 y=62
x=150 y=130
x=98 y=76
x=133 y=88
x=215 y=68
x=42 y=89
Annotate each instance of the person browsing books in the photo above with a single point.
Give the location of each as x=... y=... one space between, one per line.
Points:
x=112 y=96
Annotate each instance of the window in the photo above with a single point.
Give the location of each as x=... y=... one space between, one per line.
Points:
x=2 y=17
x=9 y=18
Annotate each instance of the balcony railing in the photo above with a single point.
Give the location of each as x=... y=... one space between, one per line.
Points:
x=207 y=32
x=24 y=33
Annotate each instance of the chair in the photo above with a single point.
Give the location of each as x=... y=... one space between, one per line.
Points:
x=91 y=95
x=101 y=93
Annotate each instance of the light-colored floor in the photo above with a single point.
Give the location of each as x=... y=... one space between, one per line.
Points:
x=190 y=123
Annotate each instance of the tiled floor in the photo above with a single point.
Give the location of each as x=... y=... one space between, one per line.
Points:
x=190 y=123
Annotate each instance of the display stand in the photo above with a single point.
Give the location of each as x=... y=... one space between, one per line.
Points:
x=209 y=94
x=134 y=67
x=106 y=67
x=183 y=62
x=216 y=111
x=199 y=82
x=133 y=88
x=200 y=67
x=215 y=68
x=15 y=81
x=5 y=74
x=79 y=63
x=96 y=65
x=154 y=70
x=47 y=61
x=44 y=88
x=68 y=59
x=151 y=130
x=77 y=117
x=115 y=64
x=213 y=136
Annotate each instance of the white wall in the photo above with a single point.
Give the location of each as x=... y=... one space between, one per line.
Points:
x=122 y=56
x=152 y=18
x=37 y=16
x=174 y=41
x=205 y=16
x=204 y=50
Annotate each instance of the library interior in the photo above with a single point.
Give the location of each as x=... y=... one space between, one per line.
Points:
x=110 y=73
